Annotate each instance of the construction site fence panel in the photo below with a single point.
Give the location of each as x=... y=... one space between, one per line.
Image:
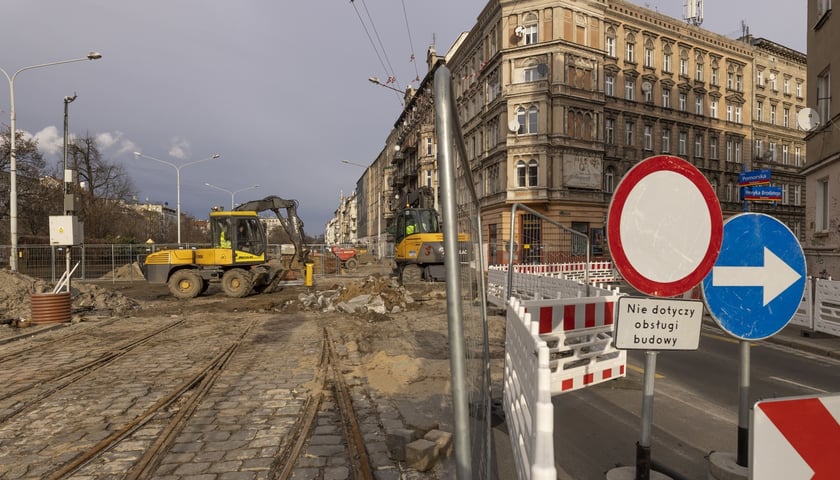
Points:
x=538 y=285
x=120 y=262
x=527 y=396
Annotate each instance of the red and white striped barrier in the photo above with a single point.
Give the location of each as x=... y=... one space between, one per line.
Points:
x=579 y=333
x=527 y=396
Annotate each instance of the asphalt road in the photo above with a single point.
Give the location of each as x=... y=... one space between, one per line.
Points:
x=695 y=404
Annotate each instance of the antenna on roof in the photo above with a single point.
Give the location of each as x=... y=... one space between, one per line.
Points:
x=693 y=13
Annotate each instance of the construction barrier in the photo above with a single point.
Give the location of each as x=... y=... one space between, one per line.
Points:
x=804 y=316
x=533 y=286
x=579 y=333
x=826 y=312
x=527 y=396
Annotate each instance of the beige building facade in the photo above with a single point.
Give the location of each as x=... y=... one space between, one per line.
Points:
x=559 y=99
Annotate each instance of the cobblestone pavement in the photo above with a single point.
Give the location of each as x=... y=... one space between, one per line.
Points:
x=236 y=431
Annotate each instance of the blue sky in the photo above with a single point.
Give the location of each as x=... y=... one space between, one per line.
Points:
x=278 y=89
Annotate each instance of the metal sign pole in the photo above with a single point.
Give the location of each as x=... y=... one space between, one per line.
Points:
x=643 y=446
x=744 y=405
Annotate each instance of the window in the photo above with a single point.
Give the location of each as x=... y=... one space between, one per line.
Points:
x=713 y=108
x=759 y=144
x=715 y=75
x=428 y=181
x=532 y=173
x=797 y=156
x=698 y=69
x=630 y=49
x=759 y=78
x=534 y=72
x=786 y=86
x=713 y=147
x=666 y=139
x=730 y=192
x=609 y=180
x=528 y=120
x=786 y=117
x=730 y=79
x=629 y=89
x=738 y=112
x=647 y=92
x=649 y=53
x=526 y=175
x=609 y=85
x=822 y=203
x=824 y=95
x=430 y=146
x=666 y=59
x=609 y=131
x=798 y=89
x=628 y=132
x=773 y=85
x=773 y=114
x=797 y=195
x=785 y=154
x=682 y=145
x=684 y=63
x=666 y=98
x=759 y=111
x=648 y=137
x=530 y=33
x=739 y=153
x=771 y=149
x=739 y=80
x=730 y=112
x=698 y=104
x=683 y=98
x=698 y=144
x=729 y=150
x=610 y=43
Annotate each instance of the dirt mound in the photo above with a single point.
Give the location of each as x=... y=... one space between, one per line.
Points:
x=126 y=272
x=16 y=291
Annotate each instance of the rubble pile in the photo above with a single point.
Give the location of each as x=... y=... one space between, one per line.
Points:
x=379 y=295
x=128 y=271
x=16 y=290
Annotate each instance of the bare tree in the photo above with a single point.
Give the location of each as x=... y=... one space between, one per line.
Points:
x=37 y=197
x=105 y=188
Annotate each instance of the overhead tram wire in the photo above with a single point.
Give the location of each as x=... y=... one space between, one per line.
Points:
x=386 y=65
x=410 y=43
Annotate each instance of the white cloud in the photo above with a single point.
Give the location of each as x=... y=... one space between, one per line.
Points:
x=49 y=140
x=180 y=148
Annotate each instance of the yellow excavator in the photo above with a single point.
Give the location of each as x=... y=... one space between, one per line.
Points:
x=238 y=256
x=418 y=241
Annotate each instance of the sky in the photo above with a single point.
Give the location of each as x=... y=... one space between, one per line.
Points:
x=278 y=89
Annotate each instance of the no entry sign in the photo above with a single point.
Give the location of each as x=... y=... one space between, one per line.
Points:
x=664 y=226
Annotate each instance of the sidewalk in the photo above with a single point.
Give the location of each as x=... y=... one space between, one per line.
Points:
x=800 y=338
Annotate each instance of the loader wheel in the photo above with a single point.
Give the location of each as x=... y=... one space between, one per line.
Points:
x=205 y=285
x=351 y=264
x=185 y=284
x=236 y=283
x=411 y=274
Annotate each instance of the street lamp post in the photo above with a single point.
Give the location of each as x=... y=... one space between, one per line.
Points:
x=177 y=181
x=376 y=81
x=232 y=192
x=13 y=259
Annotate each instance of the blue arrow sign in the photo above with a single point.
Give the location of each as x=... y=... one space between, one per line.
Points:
x=756 y=284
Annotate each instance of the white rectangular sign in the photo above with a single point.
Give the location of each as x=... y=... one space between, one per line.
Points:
x=658 y=323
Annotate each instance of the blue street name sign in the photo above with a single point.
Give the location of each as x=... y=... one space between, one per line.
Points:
x=763 y=193
x=757 y=282
x=757 y=177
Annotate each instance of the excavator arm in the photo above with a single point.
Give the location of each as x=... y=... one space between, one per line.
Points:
x=291 y=223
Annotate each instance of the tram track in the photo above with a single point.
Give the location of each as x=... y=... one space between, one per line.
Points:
x=63 y=379
x=190 y=394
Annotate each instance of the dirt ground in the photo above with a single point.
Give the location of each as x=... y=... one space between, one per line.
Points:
x=404 y=352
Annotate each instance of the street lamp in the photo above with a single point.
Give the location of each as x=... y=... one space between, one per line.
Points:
x=13 y=263
x=231 y=192
x=376 y=81
x=177 y=180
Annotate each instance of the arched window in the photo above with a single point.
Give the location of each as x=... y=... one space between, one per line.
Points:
x=630 y=48
x=609 y=180
x=527 y=119
x=610 y=42
x=527 y=175
x=521 y=174
x=533 y=172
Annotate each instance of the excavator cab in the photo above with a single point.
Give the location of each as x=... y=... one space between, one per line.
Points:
x=242 y=233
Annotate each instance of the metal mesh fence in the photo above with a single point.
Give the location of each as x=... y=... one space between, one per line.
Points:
x=120 y=262
x=466 y=293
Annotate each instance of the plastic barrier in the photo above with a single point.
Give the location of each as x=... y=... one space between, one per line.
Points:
x=804 y=316
x=579 y=333
x=527 y=396
x=827 y=307
x=537 y=287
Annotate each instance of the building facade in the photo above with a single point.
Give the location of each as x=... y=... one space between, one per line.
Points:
x=557 y=100
x=822 y=171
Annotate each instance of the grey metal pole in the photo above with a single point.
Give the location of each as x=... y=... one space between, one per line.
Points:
x=643 y=447
x=458 y=364
x=744 y=405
